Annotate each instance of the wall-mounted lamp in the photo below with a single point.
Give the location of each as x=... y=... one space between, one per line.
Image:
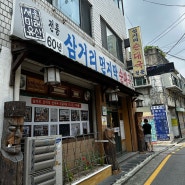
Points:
x=139 y=103
x=113 y=95
x=51 y=75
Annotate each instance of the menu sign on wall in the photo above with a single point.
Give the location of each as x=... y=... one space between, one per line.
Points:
x=36 y=85
x=53 y=117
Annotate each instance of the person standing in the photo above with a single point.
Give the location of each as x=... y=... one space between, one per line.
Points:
x=147 y=133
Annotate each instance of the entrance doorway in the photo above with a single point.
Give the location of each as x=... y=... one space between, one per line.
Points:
x=113 y=122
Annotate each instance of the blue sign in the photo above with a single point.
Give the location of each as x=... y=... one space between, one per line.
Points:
x=161 y=123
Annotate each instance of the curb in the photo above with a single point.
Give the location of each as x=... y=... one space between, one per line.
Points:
x=122 y=159
x=124 y=177
x=127 y=176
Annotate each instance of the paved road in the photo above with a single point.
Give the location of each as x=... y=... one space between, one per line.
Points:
x=141 y=177
x=173 y=170
x=137 y=168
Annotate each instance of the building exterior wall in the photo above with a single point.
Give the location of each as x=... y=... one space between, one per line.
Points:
x=11 y=47
x=103 y=8
x=153 y=57
x=163 y=91
x=99 y=8
x=6 y=92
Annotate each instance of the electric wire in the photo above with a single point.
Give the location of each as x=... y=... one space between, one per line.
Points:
x=180 y=51
x=169 y=45
x=175 y=43
x=176 y=57
x=167 y=30
x=129 y=20
x=176 y=54
x=164 y=4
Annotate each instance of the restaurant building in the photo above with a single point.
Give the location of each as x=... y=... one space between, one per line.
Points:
x=67 y=61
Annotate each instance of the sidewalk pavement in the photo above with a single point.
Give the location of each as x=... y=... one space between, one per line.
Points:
x=132 y=162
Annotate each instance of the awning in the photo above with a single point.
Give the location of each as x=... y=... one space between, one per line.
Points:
x=36 y=52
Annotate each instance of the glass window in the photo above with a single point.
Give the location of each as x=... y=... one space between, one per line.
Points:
x=116 y=1
x=49 y=1
x=119 y=3
x=140 y=81
x=71 y=9
x=180 y=83
x=111 y=41
x=79 y=11
x=175 y=81
x=86 y=17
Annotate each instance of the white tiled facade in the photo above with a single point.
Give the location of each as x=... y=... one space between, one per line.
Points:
x=6 y=92
x=106 y=9
x=113 y=16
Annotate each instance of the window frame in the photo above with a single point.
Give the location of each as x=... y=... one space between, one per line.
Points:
x=175 y=81
x=84 y=14
x=104 y=37
x=119 y=4
x=85 y=17
x=140 y=81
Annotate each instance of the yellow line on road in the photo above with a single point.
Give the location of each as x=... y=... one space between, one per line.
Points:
x=158 y=169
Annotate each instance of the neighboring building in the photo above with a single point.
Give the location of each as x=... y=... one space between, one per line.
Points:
x=162 y=99
x=82 y=40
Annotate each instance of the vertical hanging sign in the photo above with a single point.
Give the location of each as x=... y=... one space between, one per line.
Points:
x=139 y=69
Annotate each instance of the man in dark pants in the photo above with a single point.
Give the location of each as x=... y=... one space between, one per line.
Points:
x=147 y=133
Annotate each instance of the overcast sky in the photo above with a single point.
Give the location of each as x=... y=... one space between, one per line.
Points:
x=161 y=25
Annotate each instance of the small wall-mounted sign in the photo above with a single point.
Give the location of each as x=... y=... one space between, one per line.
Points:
x=104 y=110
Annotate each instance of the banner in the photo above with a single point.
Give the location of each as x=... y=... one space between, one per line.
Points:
x=138 y=63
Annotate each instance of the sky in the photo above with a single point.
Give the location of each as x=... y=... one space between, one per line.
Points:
x=162 y=24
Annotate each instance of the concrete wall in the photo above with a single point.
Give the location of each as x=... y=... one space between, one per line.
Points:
x=153 y=57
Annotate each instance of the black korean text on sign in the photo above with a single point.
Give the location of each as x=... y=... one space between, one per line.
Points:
x=33 y=28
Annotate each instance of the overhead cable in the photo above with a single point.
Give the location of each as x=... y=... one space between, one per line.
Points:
x=129 y=20
x=163 y=4
x=175 y=43
x=176 y=57
x=169 y=44
x=168 y=29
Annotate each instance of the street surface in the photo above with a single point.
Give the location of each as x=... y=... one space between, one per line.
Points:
x=173 y=171
x=167 y=168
